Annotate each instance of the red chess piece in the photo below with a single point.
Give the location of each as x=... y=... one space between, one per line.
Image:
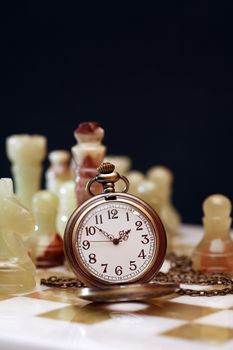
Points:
x=88 y=154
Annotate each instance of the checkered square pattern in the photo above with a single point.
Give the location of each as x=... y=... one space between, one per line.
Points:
x=50 y=318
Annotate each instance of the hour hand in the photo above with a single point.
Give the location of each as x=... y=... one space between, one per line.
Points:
x=124 y=235
x=106 y=234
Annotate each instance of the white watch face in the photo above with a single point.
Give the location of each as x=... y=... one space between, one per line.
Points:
x=116 y=242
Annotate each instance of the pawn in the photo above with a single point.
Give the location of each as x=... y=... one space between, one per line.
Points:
x=163 y=177
x=48 y=245
x=215 y=251
x=135 y=178
x=59 y=170
x=17 y=272
x=149 y=191
x=67 y=204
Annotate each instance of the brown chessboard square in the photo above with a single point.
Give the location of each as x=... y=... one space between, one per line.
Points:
x=177 y=310
x=5 y=296
x=201 y=332
x=59 y=295
x=89 y=314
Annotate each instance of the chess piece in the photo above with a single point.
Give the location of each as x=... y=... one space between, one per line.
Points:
x=122 y=163
x=26 y=152
x=59 y=170
x=48 y=244
x=122 y=166
x=163 y=178
x=67 y=204
x=135 y=178
x=215 y=251
x=148 y=191
x=17 y=272
x=151 y=193
x=88 y=154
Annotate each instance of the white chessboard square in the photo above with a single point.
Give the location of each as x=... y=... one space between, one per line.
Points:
x=128 y=331
x=218 y=302
x=222 y=319
x=35 y=333
x=18 y=306
x=133 y=325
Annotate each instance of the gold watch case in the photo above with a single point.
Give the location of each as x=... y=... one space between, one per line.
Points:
x=72 y=229
x=132 y=292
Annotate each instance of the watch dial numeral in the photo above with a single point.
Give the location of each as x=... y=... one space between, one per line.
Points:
x=92 y=258
x=139 y=225
x=105 y=267
x=145 y=239
x=118 y=270
x=112 y=214
x=98 y=219
x=132 y=265
x=127 y=216
x=142 y=254
x=90 y=230
x=86 y=245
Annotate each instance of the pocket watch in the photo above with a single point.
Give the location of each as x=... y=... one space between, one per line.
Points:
x=114 y=238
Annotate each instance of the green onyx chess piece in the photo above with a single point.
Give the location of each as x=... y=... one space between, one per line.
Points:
x=214 y=253
x=17 y=271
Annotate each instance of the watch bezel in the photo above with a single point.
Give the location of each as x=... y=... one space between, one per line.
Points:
x=71 y=233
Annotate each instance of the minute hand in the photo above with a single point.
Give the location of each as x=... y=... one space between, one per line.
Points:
x=106 y=234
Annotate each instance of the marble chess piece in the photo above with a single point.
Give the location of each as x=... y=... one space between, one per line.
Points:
x=122 y=166
x=150 y=192
x=163 y=178
x=26 y=153
x=48 y=245
x=88 y=154
x=135 y=177
x=122 y=163
x=17 y=271
x=59 y=170
x=214 y=253
x=67 y=204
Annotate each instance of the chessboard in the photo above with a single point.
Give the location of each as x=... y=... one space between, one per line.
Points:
x=49 y=319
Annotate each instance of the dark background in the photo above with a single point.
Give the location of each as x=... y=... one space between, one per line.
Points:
x=159 y=81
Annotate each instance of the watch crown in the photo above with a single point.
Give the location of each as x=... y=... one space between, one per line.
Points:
x=106 y=168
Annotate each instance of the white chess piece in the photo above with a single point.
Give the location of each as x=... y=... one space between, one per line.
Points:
x=214 y=253
x=148 y=191
x=26 y=152
x=163 y=178
x=122 y=163
x=135 y=178
x=17 y=272
x=151 y=192
x=122 y=166
x=59 y=170
x=48 y=248
x=67 y=204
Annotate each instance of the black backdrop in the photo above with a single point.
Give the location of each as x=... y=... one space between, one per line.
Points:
x=160 y=84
